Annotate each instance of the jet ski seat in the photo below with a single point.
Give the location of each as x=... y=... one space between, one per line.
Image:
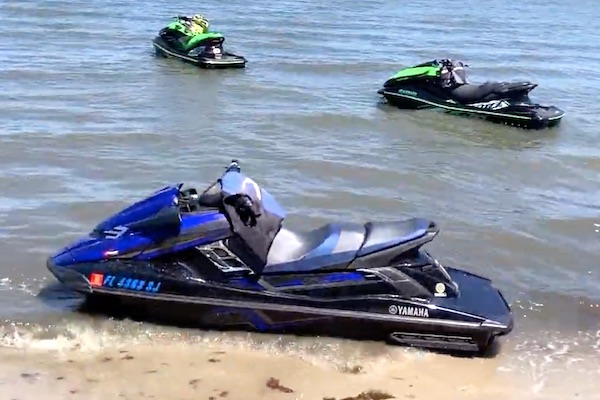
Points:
x=331 y=245
x=335 y=246
x=489 y=91
x=468 y=93
x=383 y=235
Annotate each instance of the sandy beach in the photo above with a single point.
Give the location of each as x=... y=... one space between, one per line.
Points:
x=168 y=367
x=171 y=372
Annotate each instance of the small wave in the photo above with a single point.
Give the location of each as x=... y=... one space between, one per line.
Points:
x=533 y=364
x=29 y=286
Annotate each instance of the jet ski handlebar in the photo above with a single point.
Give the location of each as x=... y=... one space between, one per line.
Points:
x=190 y=200
x=450 y=64
x=213 y=197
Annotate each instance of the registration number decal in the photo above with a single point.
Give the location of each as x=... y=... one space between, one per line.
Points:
x=125 y=282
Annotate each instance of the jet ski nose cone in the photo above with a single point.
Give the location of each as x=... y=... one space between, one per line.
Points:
x=61 y=259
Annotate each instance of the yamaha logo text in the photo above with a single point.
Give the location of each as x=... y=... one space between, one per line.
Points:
x=406 y=311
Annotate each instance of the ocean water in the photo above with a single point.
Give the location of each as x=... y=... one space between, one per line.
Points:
x=91 y=120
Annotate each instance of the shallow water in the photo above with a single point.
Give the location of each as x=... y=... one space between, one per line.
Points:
x=91 y=120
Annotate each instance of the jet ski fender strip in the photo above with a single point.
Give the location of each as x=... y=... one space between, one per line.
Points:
x=459 y=109
x=476 y=327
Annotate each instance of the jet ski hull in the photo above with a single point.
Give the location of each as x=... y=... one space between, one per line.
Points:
x=226 y=60
x=343 y=304
x=520 y=114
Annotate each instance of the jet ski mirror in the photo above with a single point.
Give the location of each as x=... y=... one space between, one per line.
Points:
x=233 y=166
x=190 y=200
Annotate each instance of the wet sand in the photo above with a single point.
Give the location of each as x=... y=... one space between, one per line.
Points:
x=165 y=370
x=173 y=372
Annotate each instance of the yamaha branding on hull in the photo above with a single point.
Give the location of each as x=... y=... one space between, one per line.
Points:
x=407 y=311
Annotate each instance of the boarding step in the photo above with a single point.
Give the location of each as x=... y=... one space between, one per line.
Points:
x=432 y=341
x=223 y=258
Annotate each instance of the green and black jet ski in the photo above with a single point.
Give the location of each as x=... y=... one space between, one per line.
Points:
x=204 y=49
x=442 y=84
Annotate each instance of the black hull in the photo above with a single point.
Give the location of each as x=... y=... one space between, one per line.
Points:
x=194 y=312
x=523 y=115
x=227 y=60
x=212 y=305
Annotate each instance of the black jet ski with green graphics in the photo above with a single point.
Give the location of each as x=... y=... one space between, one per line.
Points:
x=189 y=39
x=442 y=84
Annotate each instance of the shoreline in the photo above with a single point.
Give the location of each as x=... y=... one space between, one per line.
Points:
x=175 y=371
x=108 y=359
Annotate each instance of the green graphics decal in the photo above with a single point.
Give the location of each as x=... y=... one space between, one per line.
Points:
x=194 y=40
x=413 y=72
x=179 y=27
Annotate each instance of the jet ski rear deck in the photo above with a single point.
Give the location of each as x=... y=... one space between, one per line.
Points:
x=226 y=60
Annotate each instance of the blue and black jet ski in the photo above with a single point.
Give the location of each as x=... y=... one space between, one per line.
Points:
x=226 y=258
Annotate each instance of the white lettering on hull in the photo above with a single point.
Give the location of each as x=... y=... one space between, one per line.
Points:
x=407 y=311
x=492 y=105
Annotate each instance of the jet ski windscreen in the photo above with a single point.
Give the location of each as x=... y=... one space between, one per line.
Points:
x=459 y=74
x=453 y=74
